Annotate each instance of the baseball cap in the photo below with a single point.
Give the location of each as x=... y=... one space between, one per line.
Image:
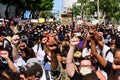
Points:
x=36 y=60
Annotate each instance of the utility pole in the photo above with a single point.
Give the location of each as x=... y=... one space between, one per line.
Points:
x=98 y=10
x=73 y=25
x=82 y=11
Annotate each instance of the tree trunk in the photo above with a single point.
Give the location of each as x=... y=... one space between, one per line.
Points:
x=98 y=11
x=6 y=11
x=103 y=19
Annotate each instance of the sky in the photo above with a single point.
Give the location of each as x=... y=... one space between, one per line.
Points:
x=58 y=5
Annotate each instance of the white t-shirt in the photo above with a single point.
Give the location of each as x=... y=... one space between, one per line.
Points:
x=19 y=62
x=108 y=57
x=86 y=52
x=43 y=77
x=39 y=52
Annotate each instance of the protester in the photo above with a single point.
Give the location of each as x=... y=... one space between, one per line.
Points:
x=8 y=72
x=58 y=63
x=31 y=71
x=39 y=48
x=85 y=65
x=6 y=60
x=112 y=69
x=17 y=58
x=26 y=52
x=54 y=47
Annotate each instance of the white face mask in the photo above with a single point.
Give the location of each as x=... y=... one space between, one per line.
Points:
x=89 y=44
x=84 y=71
x=77 y=63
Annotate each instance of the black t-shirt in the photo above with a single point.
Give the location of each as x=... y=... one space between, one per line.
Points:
x=91 y=76
x=3 y=63
x=108 y=67
x=112 y=74
x=3 y=67
x=76 y=76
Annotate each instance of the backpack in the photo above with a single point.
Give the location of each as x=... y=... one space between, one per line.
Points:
x=109 y=50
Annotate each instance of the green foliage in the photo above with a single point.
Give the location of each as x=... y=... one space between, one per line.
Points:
x=117 y=16
x=46 y=4
x=30 y=4
x=46 y=14
x=110 y=7
x=82 y=1
x=76 y=10
x=90 y=8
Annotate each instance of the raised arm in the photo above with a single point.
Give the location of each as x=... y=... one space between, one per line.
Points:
x=100 y=59
x=15 y=41
x=54 y=61
x=4 y=54
x=70 y=66
x=50 y=47
x=99 y=38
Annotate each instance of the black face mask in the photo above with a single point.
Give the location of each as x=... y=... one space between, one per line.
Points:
x=1 y=46
x=117 y=45
x=63 y=65
x=117 y=42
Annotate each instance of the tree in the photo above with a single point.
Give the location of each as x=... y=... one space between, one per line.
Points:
x=117 y=16
x=46 y=14
x=109 y=8
x=32 y=5
x=82 y=7
x=76 y=10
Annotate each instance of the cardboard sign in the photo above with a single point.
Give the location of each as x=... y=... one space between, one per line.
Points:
x=34 y=20
x=41 y=20
x=50 y=20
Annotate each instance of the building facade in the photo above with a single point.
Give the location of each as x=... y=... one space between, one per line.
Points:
x=67 y=4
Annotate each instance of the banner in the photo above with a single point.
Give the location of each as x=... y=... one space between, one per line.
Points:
x=27 y=14
x=41 y=20
x=34 y=20
x=50 y=20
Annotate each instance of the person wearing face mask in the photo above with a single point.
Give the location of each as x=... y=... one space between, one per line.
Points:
x=58 y=62
x=86 y=71
x=5 y=51
x=77 y=57
x=111 y=68
x=35 y=34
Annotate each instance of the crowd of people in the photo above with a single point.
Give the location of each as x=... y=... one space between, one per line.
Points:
x=51 y=51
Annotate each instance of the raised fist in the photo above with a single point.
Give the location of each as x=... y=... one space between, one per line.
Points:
x=74 y=41
x=15 y=39
x=4 y=54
